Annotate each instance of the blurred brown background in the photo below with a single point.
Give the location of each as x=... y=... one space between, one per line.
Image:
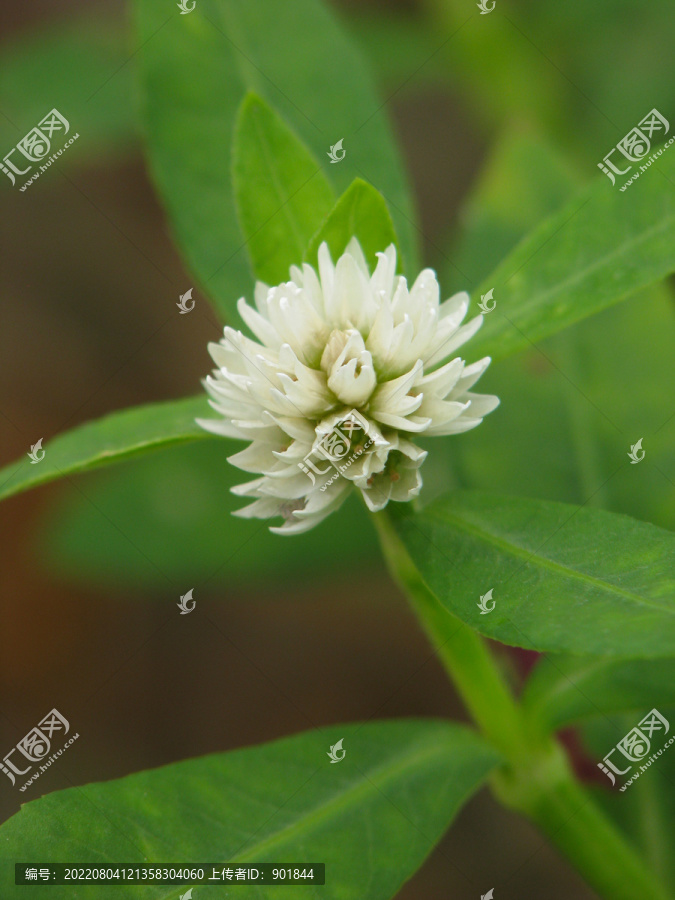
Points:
x=88 y=273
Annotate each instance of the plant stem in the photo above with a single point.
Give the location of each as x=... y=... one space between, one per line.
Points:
x=536 y=779
x=553 y=799
x=462 y=652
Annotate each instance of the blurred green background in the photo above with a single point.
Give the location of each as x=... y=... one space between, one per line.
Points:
x=500 y=119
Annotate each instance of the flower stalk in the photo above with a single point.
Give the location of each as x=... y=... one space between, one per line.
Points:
x=536 y=778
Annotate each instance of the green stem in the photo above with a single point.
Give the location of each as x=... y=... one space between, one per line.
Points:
x=462 y=652
x=552 y=798
x=536 y=779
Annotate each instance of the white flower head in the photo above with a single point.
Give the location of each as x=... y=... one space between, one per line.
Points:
x=347 y=368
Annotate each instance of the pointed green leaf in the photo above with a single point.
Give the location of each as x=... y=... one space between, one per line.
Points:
x=588 y=399
x=372 y=818
x=564 y=689
x=564 y=578
x=111 y=439
x=597 y=376
x=281 y=192
x=360 y=212
x=194 y=72
x=600 y=248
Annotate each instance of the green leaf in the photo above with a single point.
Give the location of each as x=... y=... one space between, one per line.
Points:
x=168 y=516
x=599 y=249
x=523 y=180
x=360 y=212
x=589 y=389
x=372 y=819
x=564 y=578
x=565 y=689
x=590 y=395
x=115 y=437
x=280 y=191
x=195 y=71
